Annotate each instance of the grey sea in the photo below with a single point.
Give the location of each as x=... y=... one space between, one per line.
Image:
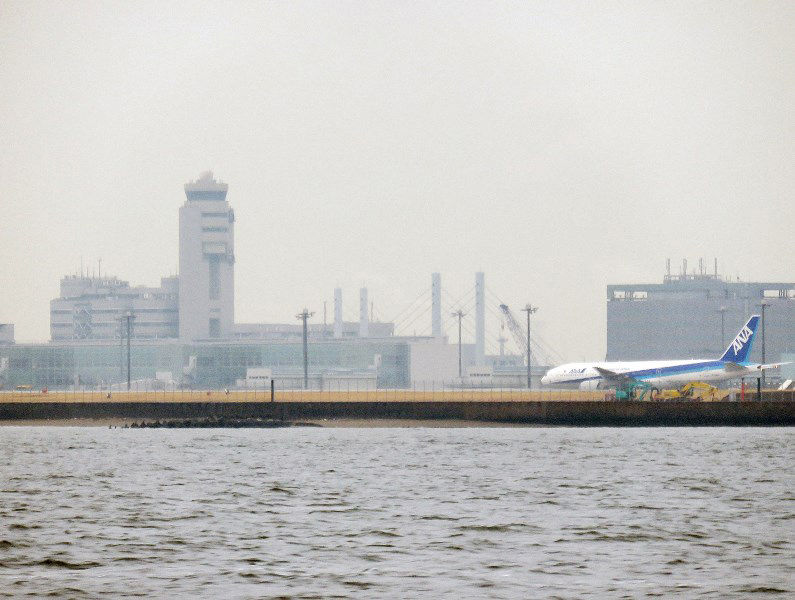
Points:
x=397 y=513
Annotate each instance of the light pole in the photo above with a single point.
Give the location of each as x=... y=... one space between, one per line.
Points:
x=460 y=314
x=763 y=305
x=722 y=310
x=129 y=317
x=529 y=310
x=121 y=351
x=303 y=316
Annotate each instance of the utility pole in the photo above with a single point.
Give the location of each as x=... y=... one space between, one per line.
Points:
x=763 y=305
x=129 y=318
x=121 y=351
x=303 y=316
x=460 y=314
x=722 y=310
x=529 y=310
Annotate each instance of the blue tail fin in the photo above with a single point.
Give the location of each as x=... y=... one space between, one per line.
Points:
x=740 y=348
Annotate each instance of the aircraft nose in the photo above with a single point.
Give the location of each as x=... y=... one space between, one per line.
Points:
x=545 y=379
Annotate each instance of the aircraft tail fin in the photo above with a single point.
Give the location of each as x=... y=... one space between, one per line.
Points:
x=740 y=348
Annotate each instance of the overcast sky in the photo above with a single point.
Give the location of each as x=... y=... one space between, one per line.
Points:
x=556 y=146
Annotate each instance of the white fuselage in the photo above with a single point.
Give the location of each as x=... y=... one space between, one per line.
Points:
x=655 y=372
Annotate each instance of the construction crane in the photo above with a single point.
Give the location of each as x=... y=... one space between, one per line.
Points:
x=548 y=355
x=516 y=330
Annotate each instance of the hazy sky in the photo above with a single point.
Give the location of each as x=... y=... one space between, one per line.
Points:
x=556 y=146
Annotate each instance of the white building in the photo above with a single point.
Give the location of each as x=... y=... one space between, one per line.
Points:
x=90 y=308
x=206 y=261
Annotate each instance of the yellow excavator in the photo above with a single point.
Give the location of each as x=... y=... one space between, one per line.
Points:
x=696 y=391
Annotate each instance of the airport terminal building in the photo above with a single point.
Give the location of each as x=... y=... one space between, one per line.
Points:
x=182 y=334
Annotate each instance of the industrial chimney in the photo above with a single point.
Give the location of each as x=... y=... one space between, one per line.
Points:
x=337 y=313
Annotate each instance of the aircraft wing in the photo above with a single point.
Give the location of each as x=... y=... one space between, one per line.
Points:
x=732 y=366
x=774 y=365
x=613 y=376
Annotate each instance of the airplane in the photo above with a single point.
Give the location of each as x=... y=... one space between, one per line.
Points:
x=660 y=373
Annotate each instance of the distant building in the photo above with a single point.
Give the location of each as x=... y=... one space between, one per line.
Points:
x=6 y=333
x=90 y=308
x=199 y=304
x=183 y=333
x=206 y=261
x=292 y=331
x=788 y=371
x=696 y=316
x=100 y=364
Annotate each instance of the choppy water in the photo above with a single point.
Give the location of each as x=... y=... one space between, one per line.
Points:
x=497 y=513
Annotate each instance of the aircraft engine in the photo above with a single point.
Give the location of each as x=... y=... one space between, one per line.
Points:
x=590 y=385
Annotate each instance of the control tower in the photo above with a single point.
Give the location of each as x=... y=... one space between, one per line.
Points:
x=206 y=261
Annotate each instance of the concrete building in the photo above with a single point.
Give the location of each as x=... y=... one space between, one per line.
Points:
x=433 y=364
x=90 y=308
x=6 y=333
x=206 y=261
x=696 y=316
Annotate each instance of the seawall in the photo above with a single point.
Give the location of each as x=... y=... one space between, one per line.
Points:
x=579 y=413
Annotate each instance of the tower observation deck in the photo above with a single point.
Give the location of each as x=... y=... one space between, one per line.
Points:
x=206 y=261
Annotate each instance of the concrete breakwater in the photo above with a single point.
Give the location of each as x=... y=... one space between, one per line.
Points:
x=580 y=413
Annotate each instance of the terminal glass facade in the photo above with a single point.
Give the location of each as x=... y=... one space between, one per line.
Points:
x=200 y=366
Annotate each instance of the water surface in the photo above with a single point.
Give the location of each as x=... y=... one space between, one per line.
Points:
x=497 y=513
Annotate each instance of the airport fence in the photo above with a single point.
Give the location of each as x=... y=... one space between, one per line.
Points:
x=351 y=391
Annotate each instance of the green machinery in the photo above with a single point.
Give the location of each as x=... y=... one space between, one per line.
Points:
x=635 y=390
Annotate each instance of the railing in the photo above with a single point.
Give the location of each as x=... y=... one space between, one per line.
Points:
x=425 y=392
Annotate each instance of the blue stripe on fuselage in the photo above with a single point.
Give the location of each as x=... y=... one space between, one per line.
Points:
x=675 y=370
x=711 y=365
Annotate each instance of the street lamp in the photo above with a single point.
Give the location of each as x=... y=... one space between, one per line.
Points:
x=303 y=316
x=460 y=314
x=722 y=310
x=763 y=305
x=529 y=310
x=129 y=318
